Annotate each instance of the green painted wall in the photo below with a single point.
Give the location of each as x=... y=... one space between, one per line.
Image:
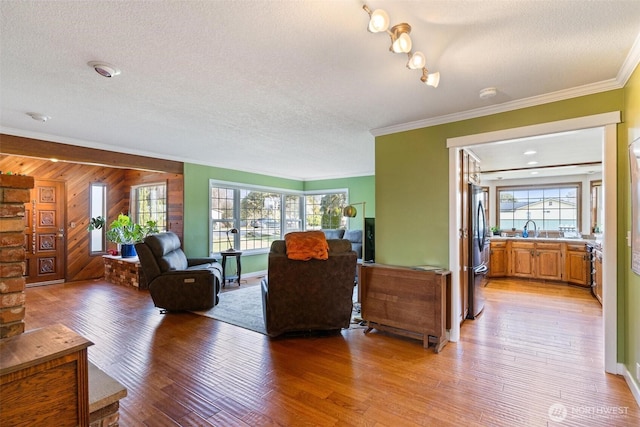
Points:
x=196 y=207
x=412 y=189
x=629 y=282
x=412 y=177
x=196 y=203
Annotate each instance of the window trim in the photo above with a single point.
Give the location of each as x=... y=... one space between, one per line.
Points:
x=237 y=187
x=102 y=231
x=133 y=211
x=577 y=185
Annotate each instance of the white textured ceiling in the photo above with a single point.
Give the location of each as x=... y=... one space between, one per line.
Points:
x=291 y=88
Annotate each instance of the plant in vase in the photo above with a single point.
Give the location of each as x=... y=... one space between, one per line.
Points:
x=126 y=234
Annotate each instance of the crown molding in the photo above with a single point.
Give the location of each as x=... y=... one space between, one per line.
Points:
x=630 y=63
x=502 y=108
x=628 y=67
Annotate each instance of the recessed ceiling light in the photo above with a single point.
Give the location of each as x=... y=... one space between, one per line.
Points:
x=39 y=117
x=534 y=173
x=532 y=162
x=529 y=152
x=104 y=69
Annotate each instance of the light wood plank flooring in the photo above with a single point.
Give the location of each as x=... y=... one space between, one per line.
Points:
x=536 y=345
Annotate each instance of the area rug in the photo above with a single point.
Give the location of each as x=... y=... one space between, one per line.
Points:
x=243 y=308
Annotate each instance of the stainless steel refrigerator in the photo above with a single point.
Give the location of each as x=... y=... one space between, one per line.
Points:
x=478 y=251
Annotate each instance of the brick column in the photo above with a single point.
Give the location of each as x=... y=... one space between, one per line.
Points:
x=14 y=193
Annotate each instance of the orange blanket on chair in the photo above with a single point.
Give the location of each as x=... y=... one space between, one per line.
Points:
x=306 y=245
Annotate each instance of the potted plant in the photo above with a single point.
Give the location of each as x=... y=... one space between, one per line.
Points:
x=96 y=223
x=125 y=233
x=495 y=230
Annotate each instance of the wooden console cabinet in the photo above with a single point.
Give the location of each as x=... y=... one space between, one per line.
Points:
x=44 y=378
x=407 y=302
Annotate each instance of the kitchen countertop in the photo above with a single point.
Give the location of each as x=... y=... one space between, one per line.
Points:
x=545 y=239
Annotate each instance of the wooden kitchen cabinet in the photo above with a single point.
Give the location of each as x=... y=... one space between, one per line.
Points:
x=498 y=265
x=522 y=259
x=548 y=263
x=536 y=260
x=577 y=265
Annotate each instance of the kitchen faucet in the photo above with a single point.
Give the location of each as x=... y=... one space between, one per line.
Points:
x=535 y=229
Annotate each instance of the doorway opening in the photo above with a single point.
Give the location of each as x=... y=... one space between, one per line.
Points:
x=607 y=121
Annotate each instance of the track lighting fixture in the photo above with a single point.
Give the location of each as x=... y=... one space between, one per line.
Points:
x=401 y=43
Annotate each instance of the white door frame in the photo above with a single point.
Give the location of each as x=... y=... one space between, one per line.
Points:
x=608 y=122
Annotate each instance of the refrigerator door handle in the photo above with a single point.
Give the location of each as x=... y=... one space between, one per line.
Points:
x=482 y=225
x=481 y=269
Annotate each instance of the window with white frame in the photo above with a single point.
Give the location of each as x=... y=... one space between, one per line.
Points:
x=97 y=209
x=149 y=203
x=262 y=215
x=325 y=210
x=551 y=207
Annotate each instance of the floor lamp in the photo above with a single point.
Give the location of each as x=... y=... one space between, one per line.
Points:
x=351 y=212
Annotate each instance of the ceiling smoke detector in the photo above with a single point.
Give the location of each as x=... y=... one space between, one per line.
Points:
x=488 y=92
x=104 y=69
x=39 y=117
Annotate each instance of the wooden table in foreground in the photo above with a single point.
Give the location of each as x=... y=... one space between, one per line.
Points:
x=44 y=378
x=407 y=301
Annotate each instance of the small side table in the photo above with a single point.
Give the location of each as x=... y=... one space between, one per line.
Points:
x=226 y=254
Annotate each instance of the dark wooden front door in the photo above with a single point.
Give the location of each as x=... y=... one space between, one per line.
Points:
x=45 y=232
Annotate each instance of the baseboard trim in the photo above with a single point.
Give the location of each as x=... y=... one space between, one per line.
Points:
x=255 y=274
x=628 y=377
x=50 y=282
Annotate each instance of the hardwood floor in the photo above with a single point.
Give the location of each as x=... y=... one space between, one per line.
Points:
x=536 y=345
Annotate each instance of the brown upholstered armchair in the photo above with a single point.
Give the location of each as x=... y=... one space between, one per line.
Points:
x=175 y=281
x=312 y=295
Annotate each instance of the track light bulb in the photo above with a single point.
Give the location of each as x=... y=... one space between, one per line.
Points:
x=379 y=21
x=400 y=40
x=417 y=61
x=432 y=79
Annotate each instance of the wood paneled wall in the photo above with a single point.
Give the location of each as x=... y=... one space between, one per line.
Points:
x=78 y=177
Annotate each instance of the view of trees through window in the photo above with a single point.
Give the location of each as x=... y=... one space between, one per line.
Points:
x=552 y=208
x=324 y=211
x=149 y=203
x=262 y=216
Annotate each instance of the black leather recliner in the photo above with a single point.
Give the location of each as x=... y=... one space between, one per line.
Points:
x=176 y=282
